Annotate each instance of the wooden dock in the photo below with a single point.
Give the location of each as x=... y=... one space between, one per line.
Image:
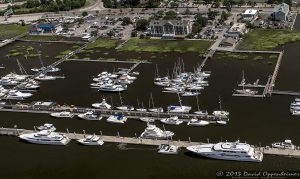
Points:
x=274 y=76
x=30 y=108
x=291 y=93
x=109 y=61
x=149 y=142
x=11 y=40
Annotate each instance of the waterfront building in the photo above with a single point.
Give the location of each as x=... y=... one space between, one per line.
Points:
x=170 y=28
x=237 y=30
x=281 y=12
x=228 y=42
x=250 y=14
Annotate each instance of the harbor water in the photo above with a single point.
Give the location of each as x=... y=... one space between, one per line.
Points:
x=258 y=121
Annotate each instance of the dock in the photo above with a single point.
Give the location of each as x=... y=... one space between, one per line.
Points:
x=109 y=61
x=274 y=76
x=32 y=108
x=11 y=40
x=148 y=142
x=291 y=93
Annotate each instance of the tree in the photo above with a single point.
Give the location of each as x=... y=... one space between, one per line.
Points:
x=84 y=13
x=142 y=24
x=126 y=21
x=187 y=11
x=134 y=33
x=212 y=14
x=170 y=15
x=207 y=1
x=216 y=3
x=224 y=16
x=241 y=3
x=227 y=5
x=202 y=21
x=152 y=4
x=196 y=28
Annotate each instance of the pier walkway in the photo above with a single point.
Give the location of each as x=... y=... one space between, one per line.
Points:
x=11 y=40
x=149 y=142
x=274 y=76
x=109 y=61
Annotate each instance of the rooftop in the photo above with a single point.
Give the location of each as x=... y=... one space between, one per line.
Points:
x=250 y=12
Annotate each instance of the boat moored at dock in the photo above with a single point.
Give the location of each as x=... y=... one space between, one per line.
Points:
x=153 y=132
x=63 y=114
x=45 y=137
x=167 y=149
x=91 y=140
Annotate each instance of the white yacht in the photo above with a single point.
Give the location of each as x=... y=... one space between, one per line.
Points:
x=141 y=109
x=222 y=114
x=91 y=140
x=154 y=132
x=228 y=151
x=189 y=93
x=63 y=114
x=172 y=120
x=111 y=88
x=125 y=108
x=45 y=137
x=197 y=122
x=51 y=69
x=47 y=126
x=297 y=99
x=102 y=105
x=167 y=149
x=287 y=144
x=43 y=77
x=201 y=112
x=29 y=86
x=246 y=91
x=221 y=122
x=295 y=103
x=158 y=110
x=147 y=119
x=295 y=112
x=121 y=119
x=179 y=109
x=90 y=115
x=17 y=95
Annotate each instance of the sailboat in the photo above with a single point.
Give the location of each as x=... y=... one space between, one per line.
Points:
x=200 y=112
x=124 y=107
x=141 y=109
x=220 y=113
x=43 y=68
x=153 y=109
x=179 y=109
x=245 y=91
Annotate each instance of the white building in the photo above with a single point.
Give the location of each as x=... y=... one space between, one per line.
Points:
x=250 y=14
x=170 y=28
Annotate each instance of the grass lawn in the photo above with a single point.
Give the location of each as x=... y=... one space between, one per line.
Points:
x=12 y=30
x=154 y=45
x=260 y=39
x=43 y=37
x=103 y=43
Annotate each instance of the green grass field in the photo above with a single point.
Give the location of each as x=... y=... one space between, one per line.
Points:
x=12 y=30
x=267 y=39
x=103 y=43
x=153 y=45
x=43 y=37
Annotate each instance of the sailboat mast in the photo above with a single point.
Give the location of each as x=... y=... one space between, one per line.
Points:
x=179 y=99
x=220 y=103
x=197 y=103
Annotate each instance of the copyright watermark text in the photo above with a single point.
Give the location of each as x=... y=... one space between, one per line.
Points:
x=258 y=174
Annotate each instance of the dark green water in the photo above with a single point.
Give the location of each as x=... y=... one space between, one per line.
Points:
x=257 y=121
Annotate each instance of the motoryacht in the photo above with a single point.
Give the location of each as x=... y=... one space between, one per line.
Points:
x=228 y=151
x=102 y=105
x=17 y=95
x=43 y=77
x=287 y=144
x=154 y=132
x=45 y=137
x=63 y=114
x=222 y=114
x=125 y=108
x=197 y=122
x=111 y=88
x=295 y=112
x=221 y=122
x=167 y=149
x=201 y=112
x=49 y=69
x=246 y=91
x=90 y=115
x=295 y=103
x=189 y=93
x=29 y=86
x=179 y=109
x=121 y=119
x=147 y=119
x=47 y=126
x=91 y=140
x=172 y=120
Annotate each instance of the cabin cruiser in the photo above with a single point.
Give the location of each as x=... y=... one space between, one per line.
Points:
x=43 y=77
x=295 y=103
x=297 y=99
x=189 y=93
x=172 y=120
x=158 y=110
x=201 y=112
x=47 y=126
x=91 y=140
x=8 y=82
x=17 y=95
x=125 y=108
x=295 y=112
x=102 y=105
x=167 y=149
x=49 y=69
x=296 y=108
x=147 y=119
x=63 y=114
x=221 y=122
x=90 y=115
x=197 y=122
x=287 y=144
x=228 y=151
x=29 y=86
x=121 y=119
x=246 y=91
x=162 y=83
x=179 y=109
x=154 y=132
x=222 y=114
x=111 y=88
x=45 y=137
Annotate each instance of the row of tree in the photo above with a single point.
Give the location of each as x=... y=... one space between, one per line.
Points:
x=129 y=3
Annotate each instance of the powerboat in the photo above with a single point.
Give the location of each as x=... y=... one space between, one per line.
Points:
x=295 y=112
x=179 y=109
x=47 y=126
x=90 y=115
x=102 y=105
x=147 y=119
x=221 y=123
x=189 y=93
x=91 y=140
x=158 y=110
x=141 y=109
x=246 y=91
x=49 y=69
x=167 y=149
x=201 y=112
x=153 y=132
x=45 y=137
x=111 y=88
x=295 y=103
x=228 y=151
x=120 y=119
x=197 y=122
x=43 y=77
x=287 y=144
x=222 y=114
x=172 y=120
x=63 y=114
x=125 y=108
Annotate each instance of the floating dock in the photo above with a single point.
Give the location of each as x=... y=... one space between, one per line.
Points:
x=150 y=142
